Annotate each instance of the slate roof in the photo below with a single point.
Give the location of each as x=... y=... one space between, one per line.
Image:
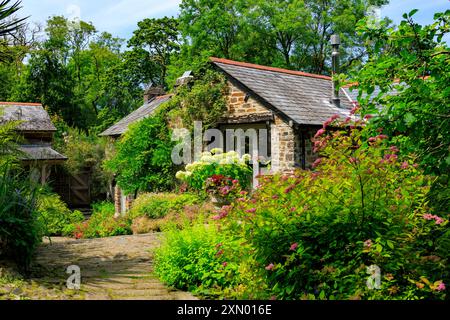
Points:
x=33 y=116
x=301 y=97
x=40 y=152
x=144 y=111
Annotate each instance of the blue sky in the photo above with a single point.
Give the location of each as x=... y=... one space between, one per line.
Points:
x=120 y=17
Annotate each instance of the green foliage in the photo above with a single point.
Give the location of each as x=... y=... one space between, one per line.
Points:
x=102 y=223
x=413 y=60
x=196 y=259
x=8 y=25
x=291 y=33
x=20 y=232
x=54 y=215
x=313 y=235
x=84 y=152
x=143 y=158
x=158 y=205
x=159 y=39
x=203 y=100
x=8 y=143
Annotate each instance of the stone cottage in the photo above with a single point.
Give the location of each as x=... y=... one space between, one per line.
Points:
x=37 y=129
x=291 y=105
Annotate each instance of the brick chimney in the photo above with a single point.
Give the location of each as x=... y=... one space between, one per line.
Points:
x=153 y=92
x=335 y=43
x=184 y=79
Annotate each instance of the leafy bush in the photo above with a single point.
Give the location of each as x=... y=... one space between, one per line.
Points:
x=158 y=205
x=228 y=166
x=143 y=158
x=174 y=219
x=20 y=232
x=102 y=223
x=321 y=234
x=316 y=233
x=196 y=259
x=54 y=215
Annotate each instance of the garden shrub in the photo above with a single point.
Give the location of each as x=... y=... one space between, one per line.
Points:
x=174 y=219
x=321 y=234
x=315 y=234
x=197 y=259
x=158 y=205
x=218 y=173
x=55 y=217
x=143 y=157
x=20 y=231
x=102 y=223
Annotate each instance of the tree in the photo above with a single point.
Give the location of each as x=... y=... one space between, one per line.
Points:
x=292 y=34
x=414 y=60
x=157 y=40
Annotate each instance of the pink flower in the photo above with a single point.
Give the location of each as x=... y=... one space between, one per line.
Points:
x=438 y=220
x=440 y=287
x=275 y=197
x=368 y=243
x=382 y=136
x=293 y=209
x=368 y=116
x=289 y=189
x=372 y=139
x=216 y=217
x=243 y=193
x=317 y=162
x=428 y=216
x=241 y=199
x=319 y=133
x=293 y=246
x=404 y=165
x=394 y=149
x=353 y=160
x=354 y=109
x=219 y=253
x=269 y=267
x=252 y=210
x=225 y=264
x=235 y=181
x=334 y=117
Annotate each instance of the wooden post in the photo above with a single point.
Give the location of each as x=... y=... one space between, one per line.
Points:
x=43 y=174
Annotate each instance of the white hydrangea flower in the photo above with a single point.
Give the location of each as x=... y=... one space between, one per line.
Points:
x=180 y=175
x=246 y=157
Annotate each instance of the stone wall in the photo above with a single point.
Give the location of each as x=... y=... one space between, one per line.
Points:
x=238 y=106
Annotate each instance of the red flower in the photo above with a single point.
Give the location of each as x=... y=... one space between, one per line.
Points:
x=293 y=246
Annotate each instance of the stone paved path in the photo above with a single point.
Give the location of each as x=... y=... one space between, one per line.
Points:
x=111 y=268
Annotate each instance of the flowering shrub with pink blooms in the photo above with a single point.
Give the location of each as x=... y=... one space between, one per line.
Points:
x=313 y=235
x=321 y=234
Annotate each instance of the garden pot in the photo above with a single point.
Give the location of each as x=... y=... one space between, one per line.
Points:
x=218 y=201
